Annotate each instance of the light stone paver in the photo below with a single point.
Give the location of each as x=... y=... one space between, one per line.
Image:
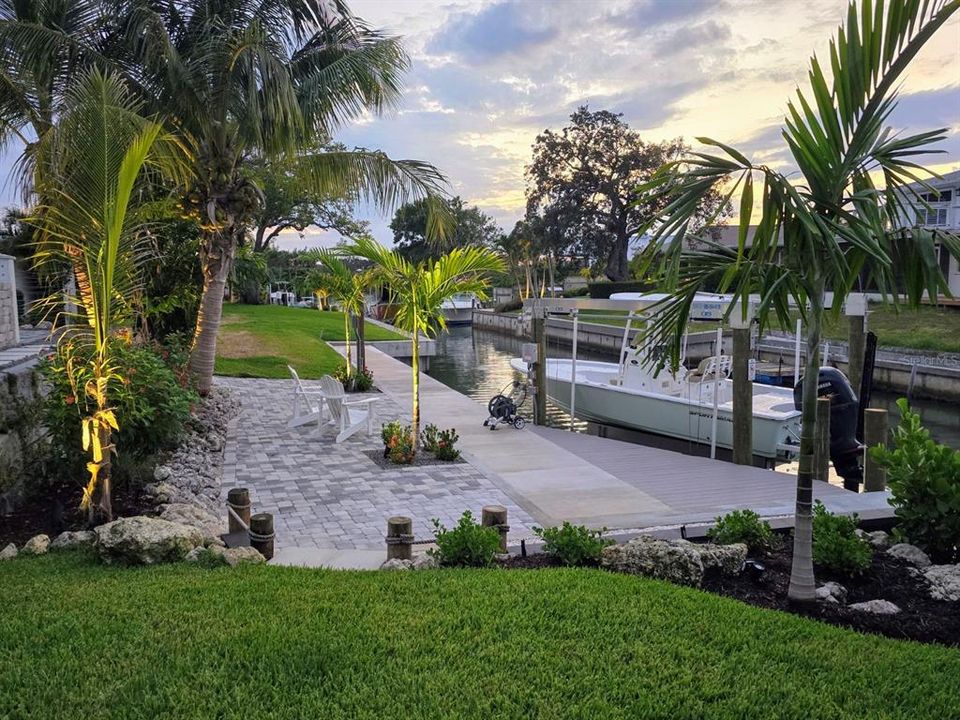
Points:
x=330 y=496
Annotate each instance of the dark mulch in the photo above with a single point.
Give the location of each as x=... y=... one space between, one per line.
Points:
x=55 y=510
x=422 y=458
x=921 y=618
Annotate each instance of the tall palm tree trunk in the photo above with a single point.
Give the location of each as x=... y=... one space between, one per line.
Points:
x=415 y=362
x=802 y=582
x=103 y=500
x=216 y=256
x=346 y=339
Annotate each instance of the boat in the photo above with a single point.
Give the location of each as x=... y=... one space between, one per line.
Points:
x=705 y=306
x=630 y=394
x=458 y=309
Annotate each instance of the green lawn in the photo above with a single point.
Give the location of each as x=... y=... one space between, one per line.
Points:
x=261 y=340
x=83 y=641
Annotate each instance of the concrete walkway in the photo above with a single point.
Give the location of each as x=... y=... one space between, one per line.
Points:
x=556 y=475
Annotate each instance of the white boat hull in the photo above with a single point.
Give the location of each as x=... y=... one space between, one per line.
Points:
x=456 y=315
x=776 y=423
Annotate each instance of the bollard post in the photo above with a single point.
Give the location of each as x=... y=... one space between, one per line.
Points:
x=540 y=368
x=495 y=516
x=822 y=441
x=238 y=500
x=874 y=433
x=261 y=534
x=399 y=538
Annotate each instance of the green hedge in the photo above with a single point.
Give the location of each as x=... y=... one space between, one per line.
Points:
x=603 y=290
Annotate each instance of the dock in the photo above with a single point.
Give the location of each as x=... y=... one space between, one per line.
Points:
x=557 y=475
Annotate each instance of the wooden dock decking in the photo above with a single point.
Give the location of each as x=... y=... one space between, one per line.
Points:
x=556 y=475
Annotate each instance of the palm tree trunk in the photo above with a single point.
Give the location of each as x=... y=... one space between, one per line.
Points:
x=346 y=338
x=802 y=582
x=104 y=490
x=216 y=258
x=415 y=362
x=360 y=331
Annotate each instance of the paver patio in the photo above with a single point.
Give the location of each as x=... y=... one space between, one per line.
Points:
x=325 y=495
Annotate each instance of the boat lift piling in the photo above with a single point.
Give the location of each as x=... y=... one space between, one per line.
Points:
x=742 y=386
x=573 y=371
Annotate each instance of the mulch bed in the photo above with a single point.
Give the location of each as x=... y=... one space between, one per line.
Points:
x=55 y=510
x=422 y=459
x=920 y=618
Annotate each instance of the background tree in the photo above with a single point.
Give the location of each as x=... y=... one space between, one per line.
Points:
x=583 y=185
x=418 y=289
x=834 y=222
x=251 y=79
x=470 y=227
x=89 y=168
x=289 y=202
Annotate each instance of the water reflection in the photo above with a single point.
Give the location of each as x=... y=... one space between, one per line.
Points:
x=477 y=363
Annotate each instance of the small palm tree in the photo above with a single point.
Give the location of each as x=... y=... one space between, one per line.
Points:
x=336 y=280
x=90 y=169
x=830 y=229
x=418 y=289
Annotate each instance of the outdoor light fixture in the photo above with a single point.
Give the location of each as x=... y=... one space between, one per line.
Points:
x=755 y=569
x=683 y=531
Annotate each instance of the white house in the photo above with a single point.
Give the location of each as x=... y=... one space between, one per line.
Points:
x=941 y=212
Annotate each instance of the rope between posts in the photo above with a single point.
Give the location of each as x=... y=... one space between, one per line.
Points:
x=237 y=517
x=262 y=538
x=400 y=540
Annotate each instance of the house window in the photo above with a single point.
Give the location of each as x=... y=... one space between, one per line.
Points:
x=934 y=197
x=934 y=217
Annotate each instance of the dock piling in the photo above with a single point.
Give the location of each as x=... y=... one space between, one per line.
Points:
x=261 y=534
x=540 y=368
x=821 y=456
x=399 y=538
x=874 y=433
x=495 y=516
x=742 y=398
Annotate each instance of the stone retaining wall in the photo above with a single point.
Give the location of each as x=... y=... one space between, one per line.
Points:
x=9 y=325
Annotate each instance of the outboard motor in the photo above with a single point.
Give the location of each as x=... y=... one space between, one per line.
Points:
x=845 y=450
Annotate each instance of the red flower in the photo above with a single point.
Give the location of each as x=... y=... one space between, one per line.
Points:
x=69 y=399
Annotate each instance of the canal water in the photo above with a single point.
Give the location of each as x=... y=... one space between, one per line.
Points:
x=477 y=363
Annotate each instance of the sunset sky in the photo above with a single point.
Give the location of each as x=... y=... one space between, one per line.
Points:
x=488 y=75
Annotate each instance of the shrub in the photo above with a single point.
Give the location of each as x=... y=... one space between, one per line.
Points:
x=511 y=306
x=359 y=381
x=573 y=544
x=577 y=292
x=467 y=545
x=440 y=442
x=149 y=401
x=924 y=481
x=398 y=443
x=836 y=545
x=742 y=526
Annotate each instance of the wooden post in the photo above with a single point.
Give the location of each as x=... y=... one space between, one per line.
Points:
x=238 y=500
x=261 y=534
x=874 y=433
x=856 y=310
x=399 y=538
x=742 y=398
x=821 y=458
x=495 y=516
x=540 y=368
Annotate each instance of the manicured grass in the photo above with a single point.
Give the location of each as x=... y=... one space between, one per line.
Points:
x=261 y=340
x=927 y=328
x=89 y=642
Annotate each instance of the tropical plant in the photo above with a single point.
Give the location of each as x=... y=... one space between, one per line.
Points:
x=820 y=232
x=836 y=545
x=418 y=289
x=924 y=481
x=89 y=169
x=469 y=544
x=346 y=286
x=359 y=380
x=742 y=526
x=254 y=80
x=399 y=443
x=442 y=443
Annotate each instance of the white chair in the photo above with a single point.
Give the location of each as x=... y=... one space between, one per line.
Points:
x=347 y=414
x=305 y=411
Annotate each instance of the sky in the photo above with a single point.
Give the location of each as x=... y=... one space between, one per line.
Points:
x=487 y=76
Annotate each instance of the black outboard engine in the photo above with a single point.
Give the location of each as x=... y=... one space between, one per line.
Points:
x=845 y=450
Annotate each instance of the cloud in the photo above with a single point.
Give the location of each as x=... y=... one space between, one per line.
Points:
x=710 y=35
x=645 y=14
x=500 y=29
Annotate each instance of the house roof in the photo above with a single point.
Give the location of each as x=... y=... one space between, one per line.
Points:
x=948 y=180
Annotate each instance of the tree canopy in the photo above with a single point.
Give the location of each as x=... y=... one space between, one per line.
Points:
x=471 y=228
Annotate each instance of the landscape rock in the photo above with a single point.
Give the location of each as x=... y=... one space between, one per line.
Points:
x=877 y=607
x=145 y=540
x=911 y=554
x=678 y=561
x=74 y=539
x=878 y=539
x=832 y=592
x=728 y=559
x=397 y=564
x=9 y=552
x=424 y=561
x=194 y=515
x=944 y=582
x=217 y=555
x=37 y=545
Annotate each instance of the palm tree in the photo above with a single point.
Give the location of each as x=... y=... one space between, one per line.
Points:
x=90 y=169
x=266 y=79
x=345 y=286
x=828 y=228
x=418 y=289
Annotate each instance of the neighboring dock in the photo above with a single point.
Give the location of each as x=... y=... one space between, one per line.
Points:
x=556 y=475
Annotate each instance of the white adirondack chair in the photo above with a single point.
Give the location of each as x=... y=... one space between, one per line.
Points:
x=350 y=416
x=307 y=404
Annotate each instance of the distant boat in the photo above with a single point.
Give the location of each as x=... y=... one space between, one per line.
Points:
x=706 y=306
x=458 y=309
